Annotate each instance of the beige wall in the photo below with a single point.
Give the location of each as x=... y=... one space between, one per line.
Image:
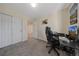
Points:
x=54 y=21
x=35 y=29
x=65 y=20
x=58 y=21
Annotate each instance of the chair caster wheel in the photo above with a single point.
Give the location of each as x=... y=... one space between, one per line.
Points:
x=46 y=46
x=49 y=52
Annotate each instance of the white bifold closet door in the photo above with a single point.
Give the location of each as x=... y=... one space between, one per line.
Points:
x=16 y=30
x=6 y=35
x=10 y=30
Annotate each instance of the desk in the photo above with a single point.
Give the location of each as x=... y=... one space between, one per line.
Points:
x=72 y=45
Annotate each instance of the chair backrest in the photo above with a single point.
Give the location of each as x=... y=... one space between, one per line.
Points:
x=47 y=32
x=54 y=38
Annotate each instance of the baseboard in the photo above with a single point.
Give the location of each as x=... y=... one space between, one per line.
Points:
x=40 y=39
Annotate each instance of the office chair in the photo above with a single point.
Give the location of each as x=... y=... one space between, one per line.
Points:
x=48 y=37
x=54 y=45
x=52 y=40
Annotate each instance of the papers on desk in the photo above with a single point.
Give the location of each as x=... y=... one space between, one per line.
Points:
x=64 y=39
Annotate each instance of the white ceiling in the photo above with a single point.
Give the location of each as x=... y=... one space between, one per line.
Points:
x=42 y=9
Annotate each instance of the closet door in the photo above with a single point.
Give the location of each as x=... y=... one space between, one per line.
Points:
x=0 y=31
x=6 y=30
x=25 y=31
x=16 y=30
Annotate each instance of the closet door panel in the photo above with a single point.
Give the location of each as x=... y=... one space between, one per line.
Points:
x=0 y=31
x=6 y=30
x=10 y=30
x=16 y=30
x=25 y=31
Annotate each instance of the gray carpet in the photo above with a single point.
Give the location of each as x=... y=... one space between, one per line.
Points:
x=30 y=47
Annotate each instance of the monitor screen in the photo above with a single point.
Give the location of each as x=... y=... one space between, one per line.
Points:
x=72 y=28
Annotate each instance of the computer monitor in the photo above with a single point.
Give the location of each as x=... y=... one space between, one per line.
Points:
x=72 y=28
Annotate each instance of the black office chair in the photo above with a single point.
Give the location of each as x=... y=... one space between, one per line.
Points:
x=55 y=44
x=48 y=36
x=53 y=40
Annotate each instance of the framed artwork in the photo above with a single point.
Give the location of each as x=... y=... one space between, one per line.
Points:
x=73 y=18
x=73 y=14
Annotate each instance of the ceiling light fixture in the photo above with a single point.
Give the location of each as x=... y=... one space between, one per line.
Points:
x=33 y=4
